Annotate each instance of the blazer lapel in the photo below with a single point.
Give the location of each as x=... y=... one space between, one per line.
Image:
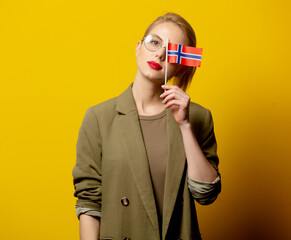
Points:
x=138 y=162
x=133 y=143
x=175 y=169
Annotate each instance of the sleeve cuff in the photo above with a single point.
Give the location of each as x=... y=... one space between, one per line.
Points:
x=197 y=182
x=200 y=189
x=88 y=211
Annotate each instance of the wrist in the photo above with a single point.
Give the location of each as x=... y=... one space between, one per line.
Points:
x=185 y=125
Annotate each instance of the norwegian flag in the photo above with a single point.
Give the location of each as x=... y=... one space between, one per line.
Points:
x=185 y=55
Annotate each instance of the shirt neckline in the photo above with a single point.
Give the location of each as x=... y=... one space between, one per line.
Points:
x=155 y=116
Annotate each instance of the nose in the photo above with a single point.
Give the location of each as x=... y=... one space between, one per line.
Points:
x=161 y=53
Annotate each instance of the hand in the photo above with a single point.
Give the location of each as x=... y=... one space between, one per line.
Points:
x=178 y=101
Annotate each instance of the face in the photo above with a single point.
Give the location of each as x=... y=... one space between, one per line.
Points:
x=148 y=62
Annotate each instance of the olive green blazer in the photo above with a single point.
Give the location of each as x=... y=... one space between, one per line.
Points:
x=112 y=173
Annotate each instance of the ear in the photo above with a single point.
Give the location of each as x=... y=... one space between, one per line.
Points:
x=181 y=71
x=137 y=48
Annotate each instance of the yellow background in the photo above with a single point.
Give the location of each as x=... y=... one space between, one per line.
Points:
x=57 y=58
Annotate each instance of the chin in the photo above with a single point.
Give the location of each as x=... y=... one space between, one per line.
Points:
x=156 y=79
x=154 y=75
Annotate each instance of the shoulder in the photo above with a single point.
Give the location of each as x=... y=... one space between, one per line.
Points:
x=198 y=112
x=200 y=118
x=99 y=116
x=103 y=107
x=197 y=107
x=104 y=110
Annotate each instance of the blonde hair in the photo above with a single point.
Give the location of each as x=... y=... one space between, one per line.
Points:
x=184 y=81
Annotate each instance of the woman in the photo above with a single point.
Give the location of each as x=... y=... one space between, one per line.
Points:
x=144 y=156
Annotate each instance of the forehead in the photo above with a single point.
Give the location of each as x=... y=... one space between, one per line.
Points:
x=171 y=31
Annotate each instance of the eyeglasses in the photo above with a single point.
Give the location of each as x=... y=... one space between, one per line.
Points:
x=153 y=42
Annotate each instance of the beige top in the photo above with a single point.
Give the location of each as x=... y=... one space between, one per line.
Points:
x=154 y=130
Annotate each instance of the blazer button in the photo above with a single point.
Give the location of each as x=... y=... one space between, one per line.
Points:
x=125 y=201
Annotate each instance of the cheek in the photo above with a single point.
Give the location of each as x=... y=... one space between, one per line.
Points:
x=140 y=61
x=139 y=57
x=142 y=58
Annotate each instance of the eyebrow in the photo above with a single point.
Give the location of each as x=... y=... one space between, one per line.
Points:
x=155 y=34
x=164 y=40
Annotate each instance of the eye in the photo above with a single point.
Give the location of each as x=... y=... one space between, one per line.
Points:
x=155 y=42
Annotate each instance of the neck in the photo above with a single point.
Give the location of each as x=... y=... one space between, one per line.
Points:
x=146 y=94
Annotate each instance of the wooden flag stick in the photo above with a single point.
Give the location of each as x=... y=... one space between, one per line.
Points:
x=166 y=61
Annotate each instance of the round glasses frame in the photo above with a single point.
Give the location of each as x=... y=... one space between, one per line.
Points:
x=153 y=47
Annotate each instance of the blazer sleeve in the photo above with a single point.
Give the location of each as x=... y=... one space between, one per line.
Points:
x=87 y=178
x=87 y=211
x=203 y=192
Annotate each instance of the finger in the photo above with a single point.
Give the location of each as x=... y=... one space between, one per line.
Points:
x=173 y=88
x=169 y=97
x=181 y=102
x=166 y=93
x=166 y=87
x=174 y=102
x=177 y=90
x=174 y=95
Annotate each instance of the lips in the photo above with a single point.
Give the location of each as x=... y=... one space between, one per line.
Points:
x=154 y=65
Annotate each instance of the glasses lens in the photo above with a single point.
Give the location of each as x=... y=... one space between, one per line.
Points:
x=153 y=42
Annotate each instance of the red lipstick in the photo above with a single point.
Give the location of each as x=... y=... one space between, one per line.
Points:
x=154 y=65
